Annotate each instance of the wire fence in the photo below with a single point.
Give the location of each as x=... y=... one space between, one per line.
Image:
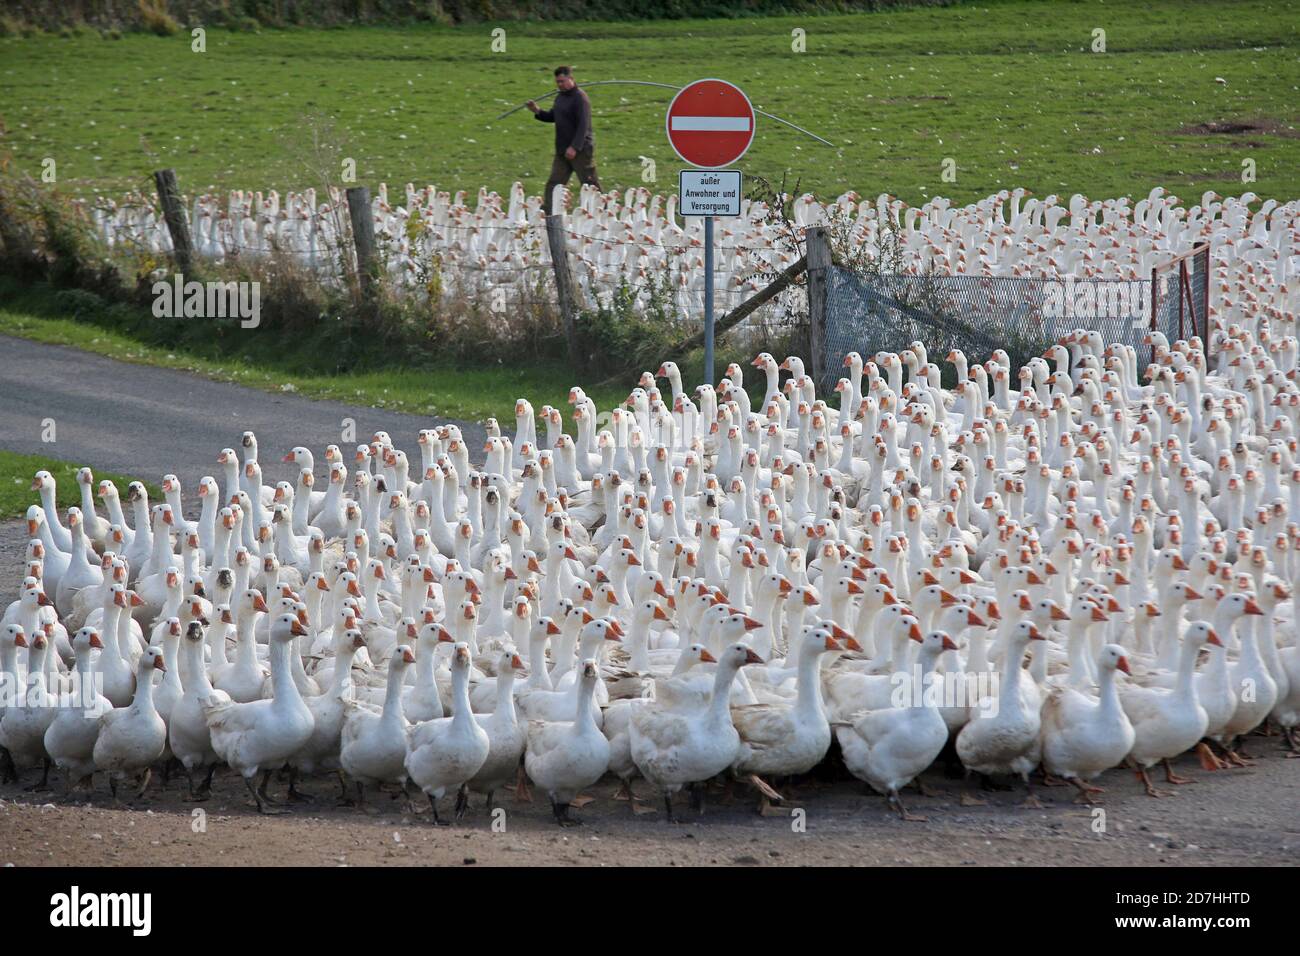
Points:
x=1022 y=315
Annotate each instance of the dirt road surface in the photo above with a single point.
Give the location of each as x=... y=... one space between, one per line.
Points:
x=1242 y=817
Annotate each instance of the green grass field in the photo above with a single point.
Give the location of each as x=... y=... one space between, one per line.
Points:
x=16 y=472
x=1009 y=90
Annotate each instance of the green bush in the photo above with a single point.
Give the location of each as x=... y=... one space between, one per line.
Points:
x=155 y=18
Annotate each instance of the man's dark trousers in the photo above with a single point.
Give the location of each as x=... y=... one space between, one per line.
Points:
x=584 y=164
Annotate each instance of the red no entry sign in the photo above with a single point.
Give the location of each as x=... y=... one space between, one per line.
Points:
x=710 y=123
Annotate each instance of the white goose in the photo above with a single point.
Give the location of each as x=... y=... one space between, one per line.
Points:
x=70 y=738
x=1083 y=735
x=998 y=740
x=506 y=735
x=372 y=749
x=673 y=749
x=261 y=735
x=131 y=738
x=187 y=730
x=1167 y=721
x=888 y=748
x=446 y=753
x=785 y=739
x=562 y=757
x=321 y=751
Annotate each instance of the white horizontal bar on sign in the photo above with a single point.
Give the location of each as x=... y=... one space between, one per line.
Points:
x=713 y=124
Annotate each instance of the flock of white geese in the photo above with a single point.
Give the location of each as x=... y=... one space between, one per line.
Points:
x=1092 y=571
x=431 y=239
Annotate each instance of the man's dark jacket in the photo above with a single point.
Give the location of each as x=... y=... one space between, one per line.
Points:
x=571 y=114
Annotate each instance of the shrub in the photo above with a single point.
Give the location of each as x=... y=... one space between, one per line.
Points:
x=155 y=18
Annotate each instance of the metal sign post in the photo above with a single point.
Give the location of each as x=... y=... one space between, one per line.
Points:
x=708 y=193
x=708 y=299
x=710 y=124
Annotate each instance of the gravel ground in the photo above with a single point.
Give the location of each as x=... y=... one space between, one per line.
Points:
x=1238 y=817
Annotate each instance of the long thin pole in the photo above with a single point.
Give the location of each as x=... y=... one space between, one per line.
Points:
x=708 y=299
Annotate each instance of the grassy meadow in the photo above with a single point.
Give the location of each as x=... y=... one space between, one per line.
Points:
x=1010 y=91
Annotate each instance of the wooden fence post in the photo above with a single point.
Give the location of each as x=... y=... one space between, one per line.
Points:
x=363 y=237
x=17 y=241
x=174 y=215
x=819 y=262
x=563 y=284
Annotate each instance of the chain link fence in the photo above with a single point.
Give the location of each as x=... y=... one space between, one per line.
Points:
x=1023 y=316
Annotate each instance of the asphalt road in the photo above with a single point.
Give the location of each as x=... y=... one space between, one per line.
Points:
x=147 y=422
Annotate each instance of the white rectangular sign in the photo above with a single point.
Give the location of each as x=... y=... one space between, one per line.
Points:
x=708 y=192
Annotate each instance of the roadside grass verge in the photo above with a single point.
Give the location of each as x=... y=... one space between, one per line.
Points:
x=447 y=389
x=16 y=472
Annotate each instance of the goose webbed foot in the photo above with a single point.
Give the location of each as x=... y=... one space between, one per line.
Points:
x=1171 y=777
x=412 y=794
x=263 y=806
x=768 y=793
x=1235 y=752
x=522 y=792
x=923 y=790
x=1292 y=735
x=668 y=808
x=561 y=812
x=360 y=802
x=200 y=795
x=903 y=813
x=697 y=798
x=1051 y=780
x=1150 y=787
x=43 y=784
x=144 y=782
x=1085 y=794
x=294 y=794
x=624 y=791
x=970 y=800
x=261 y=788
x=437 y=820
x=1207 y=757
x=344 y=800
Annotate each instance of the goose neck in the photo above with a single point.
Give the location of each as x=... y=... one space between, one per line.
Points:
x=460 y=695
x=282 y=684
x=808 y=685
x=719 y=711
x=393 y=695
